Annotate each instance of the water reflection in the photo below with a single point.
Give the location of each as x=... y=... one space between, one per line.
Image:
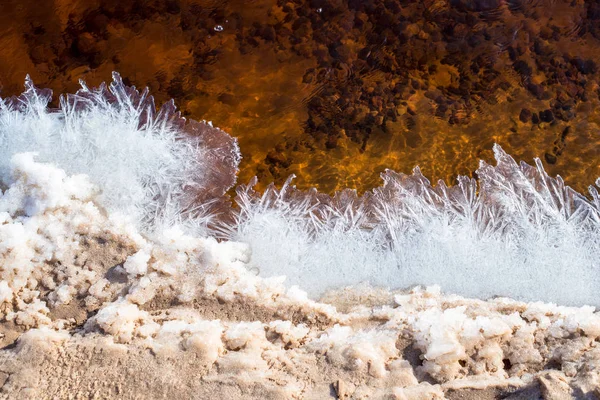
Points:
x=337 y=91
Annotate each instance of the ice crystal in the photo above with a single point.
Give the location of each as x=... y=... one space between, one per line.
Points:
x=516 y=232
x=153 y=166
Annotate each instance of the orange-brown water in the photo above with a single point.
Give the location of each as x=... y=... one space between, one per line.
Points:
x=337 y=91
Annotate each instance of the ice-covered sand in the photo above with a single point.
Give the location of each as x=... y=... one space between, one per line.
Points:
x=108 y=296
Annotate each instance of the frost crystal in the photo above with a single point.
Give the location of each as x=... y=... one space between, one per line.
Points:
x=152 y=166
x=517 y=232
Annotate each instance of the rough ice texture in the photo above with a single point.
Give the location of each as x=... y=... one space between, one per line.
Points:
x=516 y=232
x=151 y=165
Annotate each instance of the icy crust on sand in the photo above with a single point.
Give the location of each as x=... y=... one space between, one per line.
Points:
x=153 y=166
x=103 y=311
x=515 y=232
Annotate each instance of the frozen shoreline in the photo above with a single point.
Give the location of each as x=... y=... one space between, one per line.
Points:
x=118 y=289
x=100 y=308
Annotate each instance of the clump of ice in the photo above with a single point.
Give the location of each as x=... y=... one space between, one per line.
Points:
x=42 y=212
x=150 y=165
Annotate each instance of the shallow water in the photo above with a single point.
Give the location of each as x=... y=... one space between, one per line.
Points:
x=337 y=91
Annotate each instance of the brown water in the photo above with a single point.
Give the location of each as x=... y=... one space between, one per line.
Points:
x=337 y=91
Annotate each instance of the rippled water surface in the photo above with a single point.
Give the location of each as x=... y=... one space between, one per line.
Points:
x=337 y=91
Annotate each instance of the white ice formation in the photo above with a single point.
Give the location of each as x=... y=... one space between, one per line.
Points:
x=151 y=165
x=516 y=232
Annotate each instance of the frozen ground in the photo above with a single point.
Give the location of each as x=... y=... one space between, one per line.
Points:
x=110 y=294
